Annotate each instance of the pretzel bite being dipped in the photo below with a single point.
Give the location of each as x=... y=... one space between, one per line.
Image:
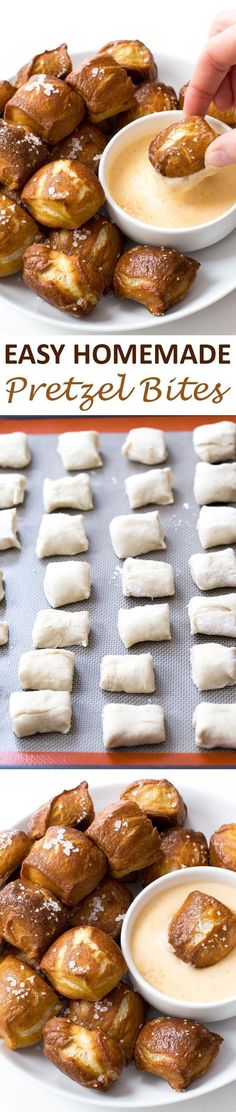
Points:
x=6 y=93
x=54 y=63
x=104 y=86
x=66 y=863
x=62 y=280
x=70 y=808
x=30 y=918
x=179 y=150
x=126 y=836
x=17 y=231
x=177 y=1049
x=63 y=194
x=160 y=800
x=86 y=144
x=223 y=847
x=121 y=1015
x=203 y=931
x=152 y=96
x=85 y=963
x=135 y=58
x=99 y=243
x=26 y=1003
x=21 y=154
x=105 y=907
x=14 y=846
x=179 y=849
x=226 y=115
x=46 y=106
x=157 y=277
x=89 y=1057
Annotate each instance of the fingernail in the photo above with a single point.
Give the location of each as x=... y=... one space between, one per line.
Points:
x=216 y=157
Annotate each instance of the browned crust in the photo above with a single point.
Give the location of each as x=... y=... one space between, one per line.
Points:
x=72 y=807
x=227 y=116
x=26 y=1002
x=65 y=863
x=6 y=93
x=120 y=1014
x=47 y=106
x=104 y=85
x=55 y=63
x=30 y=918
x=223 y=847
x=86 y=144
x=127 y=837
x=88 y=1057
x=99 y=244
x=106 y=907
x=157 y=277
x=179 y=150
x=152 y=96
x=179 y=849
x=134 y=56
x=205 y=918
x=21 y=154
x=63 y=194
x=160 y=800
x=14 y=846
x=85 y=963
x=177 y=1049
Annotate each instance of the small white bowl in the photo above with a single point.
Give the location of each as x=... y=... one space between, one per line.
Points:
x=185 y=239
x=212 y=1012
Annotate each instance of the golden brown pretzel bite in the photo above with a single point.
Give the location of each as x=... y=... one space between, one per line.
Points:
x=85 y=963
x=179 y=849
x=99 y=243
x=104 y=85
x=121 y=1015
x=14 y=846
x=70 y=808
x=17 y=231
x=21 y=154
x=157 y=277
x=223 y=847
x=26 y=1002
x=151 y=97
x=177 y=1049
x=105 y=907
x=30 y=918
x=61 y=280
x=134 y=56
x=89 y=1057
x=46 y=106
x=65 y=863
x=179 y=150
x=160 y=800
x=54 y=63
x=127 y=837
x=63 y=194
x=86 y=144
x=228 y=115
x=6 y=93
x=203 y=931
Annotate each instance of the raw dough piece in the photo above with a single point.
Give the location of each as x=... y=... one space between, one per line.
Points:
x=144 y=623
x=147 y=578
x=40 y=712
x=213 y=616
x=72 y=493
x=67 y=582
x=145 y=446
x=12 y=490
x=3 y=633
x=216 y=525
x=215 y=442
x=131 y=674
x=215 y=483
x=8 y=528
x=125 y=725
x=215 y=725
x=61 y=628
x=14 y=450
x=62 y=535
x=151 y=487
x=2 y=588
x=134 y=534
x=213 y=569
x=79 y=450
x=54 y=667
x=213 y=666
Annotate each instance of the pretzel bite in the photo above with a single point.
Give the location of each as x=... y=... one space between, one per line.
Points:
x=152 y=96
x=135 y=58
x=99 y=243
x=86 y=144
x=126 y=836
x=85 y=963
x=179 y=150
x=70 y=808
x=26 y=1002
x=30 y=918
x=61 y=280
x=104 y=85
x=65 y=863
x=160 y=800
x=227 y=115
x=180 y=849
x=6 y=93
x=54 y=63
x=14 y=846
x=17 y=231
x=157 y=277
x=223 y=847
x=63 y=194
x=21 y=154
x=89 y=1057
x=105 y=907
x=121 y=1015
x=203 y=931
x=46 y=106
x=177 y=1049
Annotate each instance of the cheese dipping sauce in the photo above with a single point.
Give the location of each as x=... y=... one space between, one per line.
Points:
x=158 y=964
x=148 y=196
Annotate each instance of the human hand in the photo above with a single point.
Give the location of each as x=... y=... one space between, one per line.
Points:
x=214 y=78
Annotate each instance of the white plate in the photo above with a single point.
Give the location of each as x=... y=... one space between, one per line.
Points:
x=216 y=278
x=134 y=1090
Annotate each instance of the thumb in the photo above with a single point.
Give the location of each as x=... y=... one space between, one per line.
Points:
x=222 y=151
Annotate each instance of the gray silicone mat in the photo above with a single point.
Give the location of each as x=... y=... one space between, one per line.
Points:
x=24 y=575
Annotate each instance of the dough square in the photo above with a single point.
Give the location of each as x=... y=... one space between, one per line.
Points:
x=61 y=535
x=8 y=529
x=125 y=724
x=145 y=445
x=73 y=492
x=12 y=490
x=79 y=450
x=67 y=582
x=14 y=450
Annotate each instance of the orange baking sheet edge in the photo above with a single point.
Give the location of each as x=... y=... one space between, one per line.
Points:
x=117 y=760
x=49 y=425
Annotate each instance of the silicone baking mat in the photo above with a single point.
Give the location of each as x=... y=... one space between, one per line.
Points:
x=24 y=575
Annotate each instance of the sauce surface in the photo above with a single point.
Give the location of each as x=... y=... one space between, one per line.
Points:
x=159 y=965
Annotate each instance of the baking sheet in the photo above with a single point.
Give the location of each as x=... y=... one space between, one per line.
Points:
x=24 y=575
